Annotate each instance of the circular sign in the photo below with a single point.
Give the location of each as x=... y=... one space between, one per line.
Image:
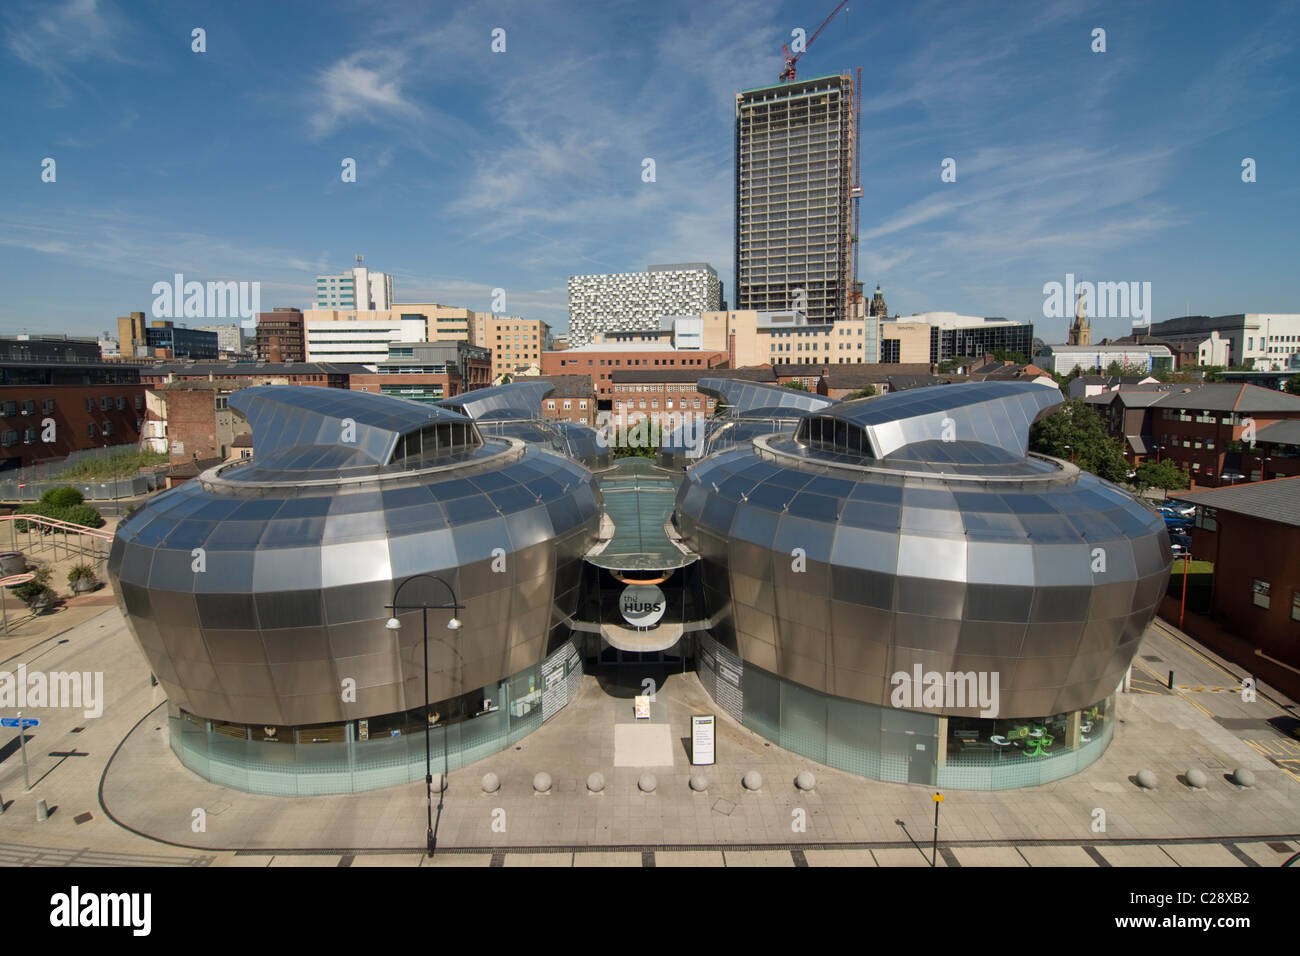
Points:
x=642 y=605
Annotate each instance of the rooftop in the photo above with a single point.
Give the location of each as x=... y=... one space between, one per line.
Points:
x=691 y=374
x=254 y=368
x=1277 y=499
x=1280 y=433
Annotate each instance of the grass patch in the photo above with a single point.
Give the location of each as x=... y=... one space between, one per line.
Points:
x=119 y=465
x=1196 y=568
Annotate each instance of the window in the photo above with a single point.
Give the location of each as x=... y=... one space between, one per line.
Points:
x=105 y=404
x=10 y=436
x=29 y=436
x=1295 y=605
x=1261 y=589
x=551 y=404
x=29 y=407
x=47 y=406
x=121 y=403
x=108 y=427
x=91 y=430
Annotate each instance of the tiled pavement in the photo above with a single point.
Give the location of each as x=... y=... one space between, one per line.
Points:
x=850 y=821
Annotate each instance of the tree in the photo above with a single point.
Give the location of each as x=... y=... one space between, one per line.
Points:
x=1075 y=431
x=1005 y=355
x=63 y=504
x=1293 y=385
x=867 y=391
x=798 y=386
x=1160 y=474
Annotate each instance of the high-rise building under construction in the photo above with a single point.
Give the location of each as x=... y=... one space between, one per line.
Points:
x=794 y=182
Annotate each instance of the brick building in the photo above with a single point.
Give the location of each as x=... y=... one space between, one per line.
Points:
x=573 y=400
x=600 y=361
x=193 y=420
x=1205 y=429
x=281 y=336
x=661 y=394
x=58 y=397
x=1251 y=532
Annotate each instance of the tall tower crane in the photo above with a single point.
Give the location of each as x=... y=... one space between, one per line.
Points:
x=792 y=58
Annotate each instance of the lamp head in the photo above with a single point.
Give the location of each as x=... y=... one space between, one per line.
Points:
x=393 y=624
x=453 y=624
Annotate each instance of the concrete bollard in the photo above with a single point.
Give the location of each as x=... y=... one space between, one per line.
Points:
x=42 y=812
x=491 y=783
x=542 y=782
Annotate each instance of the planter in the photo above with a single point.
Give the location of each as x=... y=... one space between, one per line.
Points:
x=83 y=585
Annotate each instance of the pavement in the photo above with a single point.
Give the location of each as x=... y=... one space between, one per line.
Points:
x=117 y=794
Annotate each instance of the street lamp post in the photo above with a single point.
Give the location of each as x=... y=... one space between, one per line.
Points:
x=394 y=624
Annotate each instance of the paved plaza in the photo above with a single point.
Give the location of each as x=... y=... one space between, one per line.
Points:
x=117 y=794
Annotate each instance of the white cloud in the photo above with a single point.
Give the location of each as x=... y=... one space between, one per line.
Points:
x=56 y=39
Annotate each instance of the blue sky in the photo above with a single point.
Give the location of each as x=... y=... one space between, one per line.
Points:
x=516 y=170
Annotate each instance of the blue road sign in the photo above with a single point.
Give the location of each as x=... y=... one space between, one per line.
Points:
x=26 y=721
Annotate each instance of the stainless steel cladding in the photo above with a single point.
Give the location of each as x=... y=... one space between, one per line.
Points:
x=258 y=590
x=912 y=530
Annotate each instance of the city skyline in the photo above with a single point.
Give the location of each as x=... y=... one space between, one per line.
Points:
x=478 y=170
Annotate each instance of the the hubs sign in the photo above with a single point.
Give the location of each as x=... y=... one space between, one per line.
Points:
x=642 y=605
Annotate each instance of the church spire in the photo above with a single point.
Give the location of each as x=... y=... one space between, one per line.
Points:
x=1080 y=331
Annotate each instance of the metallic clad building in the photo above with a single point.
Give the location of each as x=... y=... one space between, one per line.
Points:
x=257 y=591
x=911 y=531
x=820 y=550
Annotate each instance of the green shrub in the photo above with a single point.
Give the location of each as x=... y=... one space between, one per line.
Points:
x=75 y=510
x=62 y=497
x=80 y=514
x=80 y=572
x=38 y=585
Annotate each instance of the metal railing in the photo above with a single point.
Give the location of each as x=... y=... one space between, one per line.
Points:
x=40 y=533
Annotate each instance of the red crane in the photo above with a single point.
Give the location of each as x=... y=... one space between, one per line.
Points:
x=792 y=58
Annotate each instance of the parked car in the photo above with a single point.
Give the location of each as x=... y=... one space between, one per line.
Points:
x=1180 y=544
x=1180 y=508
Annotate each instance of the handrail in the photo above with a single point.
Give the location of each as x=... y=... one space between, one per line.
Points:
x=57 y=525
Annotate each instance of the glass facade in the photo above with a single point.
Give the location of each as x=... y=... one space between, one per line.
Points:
x=354 y=755
x=904 y=746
